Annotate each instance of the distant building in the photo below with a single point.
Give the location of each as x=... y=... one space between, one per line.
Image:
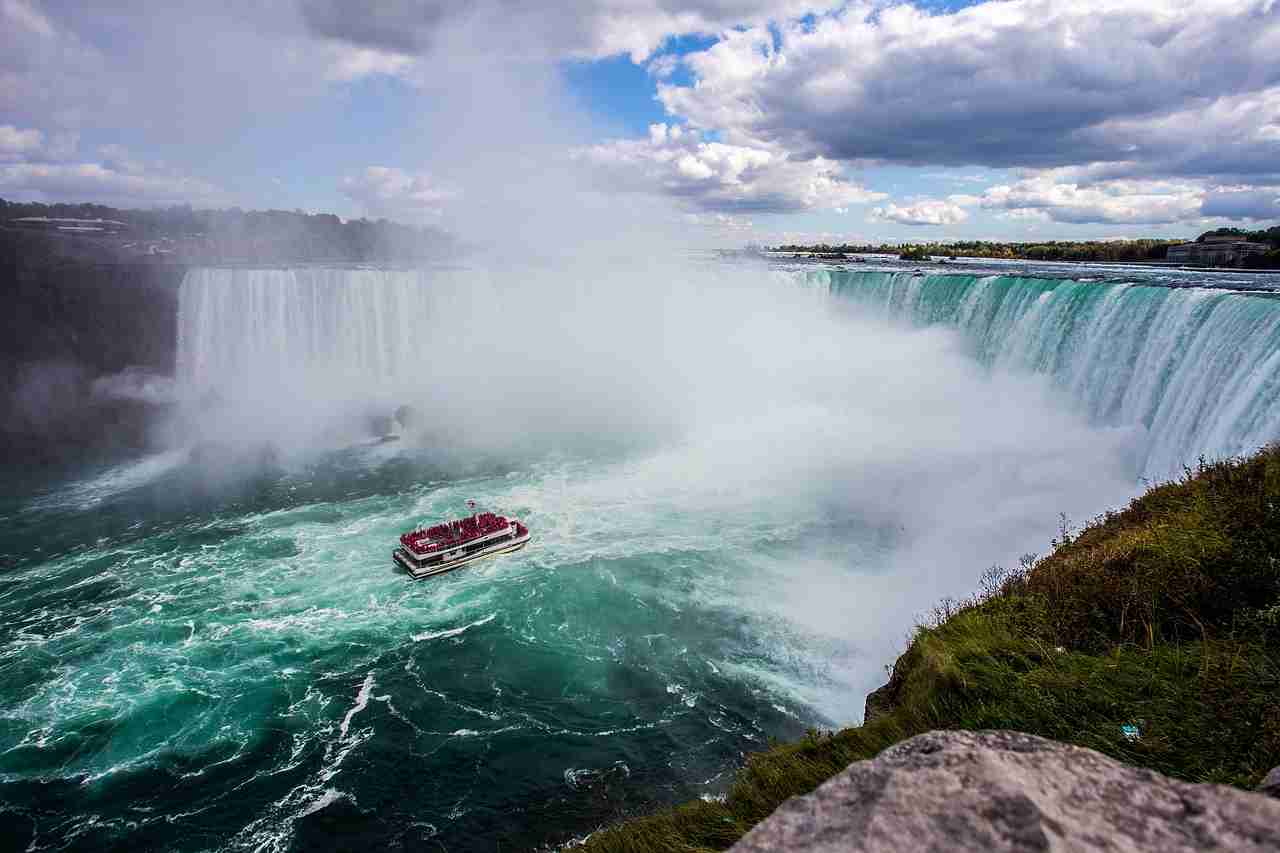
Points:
x=82 y=226
x=1216 y=250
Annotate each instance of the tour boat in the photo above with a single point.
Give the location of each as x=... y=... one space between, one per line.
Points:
x=444 y=547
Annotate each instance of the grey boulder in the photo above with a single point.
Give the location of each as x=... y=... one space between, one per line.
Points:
x=1005 y=791
x=1271 y=785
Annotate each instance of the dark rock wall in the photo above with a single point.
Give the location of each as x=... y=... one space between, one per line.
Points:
x=75 y=310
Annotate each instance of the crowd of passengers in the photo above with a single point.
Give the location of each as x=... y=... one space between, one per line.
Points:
x=454 y=531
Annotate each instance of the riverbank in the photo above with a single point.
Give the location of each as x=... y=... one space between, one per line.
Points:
x=1152 y=636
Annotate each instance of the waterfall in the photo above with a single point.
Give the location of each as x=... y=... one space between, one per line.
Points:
x=1195 y=367
x=300 y=323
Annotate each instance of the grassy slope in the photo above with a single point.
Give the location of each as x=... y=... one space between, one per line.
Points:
x=1165 y=615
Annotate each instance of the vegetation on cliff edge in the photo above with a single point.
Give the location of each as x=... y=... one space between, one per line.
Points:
x=1163 y=617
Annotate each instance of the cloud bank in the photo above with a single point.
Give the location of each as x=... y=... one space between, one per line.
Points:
x=1095 y=112
x=715 y=176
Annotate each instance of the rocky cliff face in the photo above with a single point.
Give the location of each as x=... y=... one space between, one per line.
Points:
x=1006 y=791
x=84 y=337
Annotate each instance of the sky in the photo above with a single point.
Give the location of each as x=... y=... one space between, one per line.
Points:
x=753 y=121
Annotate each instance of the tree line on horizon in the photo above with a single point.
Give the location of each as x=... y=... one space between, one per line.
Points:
x=1113 y=251
x=233 y=234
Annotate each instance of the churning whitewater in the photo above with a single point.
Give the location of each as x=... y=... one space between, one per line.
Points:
x=744 y=483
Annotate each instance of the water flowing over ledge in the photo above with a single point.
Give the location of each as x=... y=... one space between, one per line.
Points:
x=1195 y=367
x=293 y=320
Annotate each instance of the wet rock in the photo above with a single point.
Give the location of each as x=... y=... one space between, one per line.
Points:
x=1006 y=791
x=408 y=417
x=881 y=701
x=1271 y=785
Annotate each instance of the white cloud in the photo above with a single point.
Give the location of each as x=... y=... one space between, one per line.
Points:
x=926 y=212
x=101 y=183
x=351 y=63
x=32 y=144
x=16 y=144
x=1079 y=196
x=663 y=66
x=1019 y=83
x=718 y=177
x=25 y=18
x=385 y=191
x=1060 y=196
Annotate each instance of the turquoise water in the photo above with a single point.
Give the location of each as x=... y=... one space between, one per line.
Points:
x=208 y=655
x=185 y=670
x=1196 y=367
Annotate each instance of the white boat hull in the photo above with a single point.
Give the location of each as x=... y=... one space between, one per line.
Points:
x=426 y=570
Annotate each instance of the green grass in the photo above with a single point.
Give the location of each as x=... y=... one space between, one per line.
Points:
x=1165 y=616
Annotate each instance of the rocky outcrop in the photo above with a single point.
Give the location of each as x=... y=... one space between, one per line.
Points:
x=1271 y=785
x=880 y=702
x=1006 y=791
x=80 y=324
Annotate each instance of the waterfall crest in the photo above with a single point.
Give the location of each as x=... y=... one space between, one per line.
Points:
x=1195 y=367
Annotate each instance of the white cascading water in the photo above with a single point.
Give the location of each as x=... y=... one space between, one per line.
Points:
x=233 y=322
x=1196 y=368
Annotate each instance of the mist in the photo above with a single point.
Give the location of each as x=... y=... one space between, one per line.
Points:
x=896 y=465
x=585 y=328
x=371 y=267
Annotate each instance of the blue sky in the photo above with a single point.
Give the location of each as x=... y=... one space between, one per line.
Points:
x=762 y=120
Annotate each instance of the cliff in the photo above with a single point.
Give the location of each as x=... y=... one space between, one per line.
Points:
x=1152 y=637
x=86 y=331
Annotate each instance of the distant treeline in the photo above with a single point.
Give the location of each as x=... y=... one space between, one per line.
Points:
x=1116 y=251
x=253 y=236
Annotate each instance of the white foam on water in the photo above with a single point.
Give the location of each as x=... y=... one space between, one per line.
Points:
x=326 y=799
x=362 y=702
x=453 y=632
x=86 y=494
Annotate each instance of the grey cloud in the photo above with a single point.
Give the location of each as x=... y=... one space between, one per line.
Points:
x=1261 y=204
x=404 y=27
x=579 y=29
x=1023 y=83
x=184 y=72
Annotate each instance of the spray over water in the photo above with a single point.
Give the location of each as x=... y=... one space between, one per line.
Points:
x=743 y=485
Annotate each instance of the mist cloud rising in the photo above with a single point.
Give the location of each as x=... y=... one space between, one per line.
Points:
x=730 y=392
x=577 y=328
